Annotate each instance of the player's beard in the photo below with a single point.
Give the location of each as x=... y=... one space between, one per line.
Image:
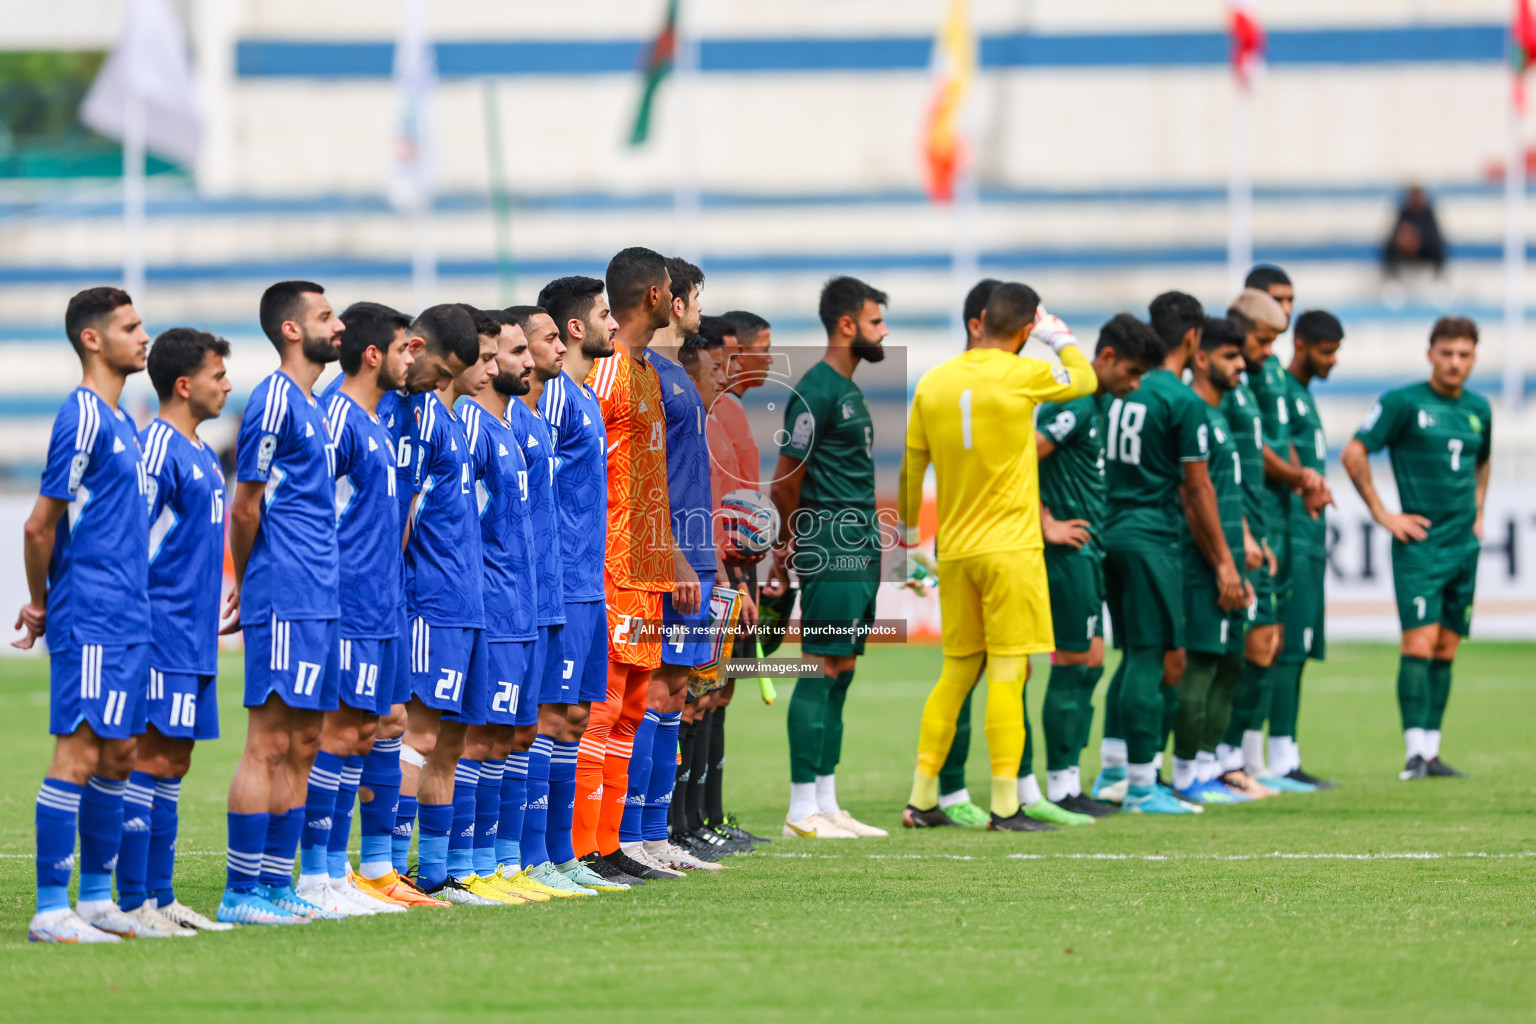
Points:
x=596 y=343
x=321 y=349
x=867 y=349
x=511 y=385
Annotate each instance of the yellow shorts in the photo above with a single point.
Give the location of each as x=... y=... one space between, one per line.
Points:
x=997 y=602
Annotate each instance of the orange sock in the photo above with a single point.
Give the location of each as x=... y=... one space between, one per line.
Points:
x=591 y=754
x=637 y=682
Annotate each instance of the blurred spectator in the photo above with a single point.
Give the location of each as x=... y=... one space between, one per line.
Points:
x=1415 y=240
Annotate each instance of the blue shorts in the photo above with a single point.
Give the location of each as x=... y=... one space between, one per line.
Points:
x=369 y=671
x=689 y=641
x=553 y=670
x=295 y=660
x=184 y=706
x=448 y=670
x=512 y=701
x=103 y=685
x=402 y=665
x=583 y=666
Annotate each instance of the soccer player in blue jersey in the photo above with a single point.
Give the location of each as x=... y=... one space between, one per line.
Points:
x=499 y=748
x=444 y=603
x=282 y=539
x=186 y=573
x=88 y=588
x=580 y=313
x=375 y=358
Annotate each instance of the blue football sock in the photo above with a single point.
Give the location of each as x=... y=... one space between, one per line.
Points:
x=101 y=835
x=282 y=842
x=247 y=836
x=376 y=822
x=133 y=853
x=341 y=821
x=381 y=766
x=487 y=815
x=630 y=829
x=512 y=803
x=58 y=810
x=461 y=841
x=531 y=846
x=400 y=839
x=562 y=801
x=658 y=794
x=319 y=812
x=432 y=844
x=162 y=842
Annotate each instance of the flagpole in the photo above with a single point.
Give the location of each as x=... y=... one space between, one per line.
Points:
x=1514 y=255
x=965 y=249
x=687 y=203
x=1240 y=186
x=501 y=196
x=134 y=130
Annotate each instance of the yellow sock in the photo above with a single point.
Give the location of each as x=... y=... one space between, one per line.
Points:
x=1005 y=796
x=942 y=709
x=925 y=791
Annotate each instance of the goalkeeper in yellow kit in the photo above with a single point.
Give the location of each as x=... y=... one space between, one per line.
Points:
x=973 y=419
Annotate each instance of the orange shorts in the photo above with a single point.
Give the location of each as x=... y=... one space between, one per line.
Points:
x=634 y=627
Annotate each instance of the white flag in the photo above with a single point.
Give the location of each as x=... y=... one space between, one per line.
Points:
x=413 y=174
x=149 y=62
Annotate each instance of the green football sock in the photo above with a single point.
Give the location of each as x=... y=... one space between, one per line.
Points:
x=1284 y=681
x=1061 y=714
x=1027 y=762
x=1141 y=703
x=952 y=775
x=1114 y=727
x=807 y=719
x=832 y=738
x=1085 y=711
x=1189 y=709
x=1218 y=701
x=1439 y=691
x=1170 y=696
x=1413 y=691
x=1245 y=702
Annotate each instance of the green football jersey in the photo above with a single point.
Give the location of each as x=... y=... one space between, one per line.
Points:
x=1274 y=411
x=1436 y=443
x=1308 y=536
x=1149 y=435
x=1227 y=478
x=1246 y=426
x=1072 y=478
x=827 y=426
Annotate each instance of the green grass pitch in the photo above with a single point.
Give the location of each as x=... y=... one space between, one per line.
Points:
x=1302 y=908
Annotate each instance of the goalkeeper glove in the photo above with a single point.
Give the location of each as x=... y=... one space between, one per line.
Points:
x=920 y=569
x=1052 y=330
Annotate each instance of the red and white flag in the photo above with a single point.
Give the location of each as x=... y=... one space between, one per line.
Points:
x=1248 y=42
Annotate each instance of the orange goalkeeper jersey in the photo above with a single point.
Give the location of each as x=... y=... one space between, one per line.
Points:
x=639 y=516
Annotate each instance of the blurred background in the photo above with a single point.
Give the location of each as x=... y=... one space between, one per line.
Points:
x=412 y=151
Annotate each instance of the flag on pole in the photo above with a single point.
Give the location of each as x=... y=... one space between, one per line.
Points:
x=1522 y=47
x=150 y=65
x=1248 y=42
x=413 y=174
x=659 y=59
x=945 y=149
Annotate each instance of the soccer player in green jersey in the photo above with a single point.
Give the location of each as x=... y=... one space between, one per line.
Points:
x=1213 y=628
x=1070 y=444
x=1318 y=336
x=1156 y=447
x=824 y=489
x=1440 y=436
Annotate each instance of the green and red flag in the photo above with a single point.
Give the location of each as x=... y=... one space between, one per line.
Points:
x=659 y=58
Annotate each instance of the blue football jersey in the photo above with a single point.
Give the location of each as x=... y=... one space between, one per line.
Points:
x=186 y=550
x=284 y=443
x=543 y=512
x=442 y=554
x=688 y=484
x=98 y=577
x=581 y=483
x=392 y=411
x=506 y=535
x=372 y=569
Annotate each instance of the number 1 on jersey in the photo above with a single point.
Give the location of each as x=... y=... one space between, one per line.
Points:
x=965 y=419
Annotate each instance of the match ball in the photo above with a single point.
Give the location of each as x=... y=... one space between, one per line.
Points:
x=751 y=521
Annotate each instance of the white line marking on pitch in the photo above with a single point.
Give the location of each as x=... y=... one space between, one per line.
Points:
x=1276 y=855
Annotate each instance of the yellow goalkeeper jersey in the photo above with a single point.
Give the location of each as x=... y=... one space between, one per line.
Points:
x=973 y=417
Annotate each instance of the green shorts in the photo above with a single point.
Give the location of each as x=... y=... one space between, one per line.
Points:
x=1303 y=617
x=1434 y=587
x=1076 y=580
x=1208 y=629
x=1145 y=593
x=1265 y=610
x=1280 y=582
x=835 y=613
